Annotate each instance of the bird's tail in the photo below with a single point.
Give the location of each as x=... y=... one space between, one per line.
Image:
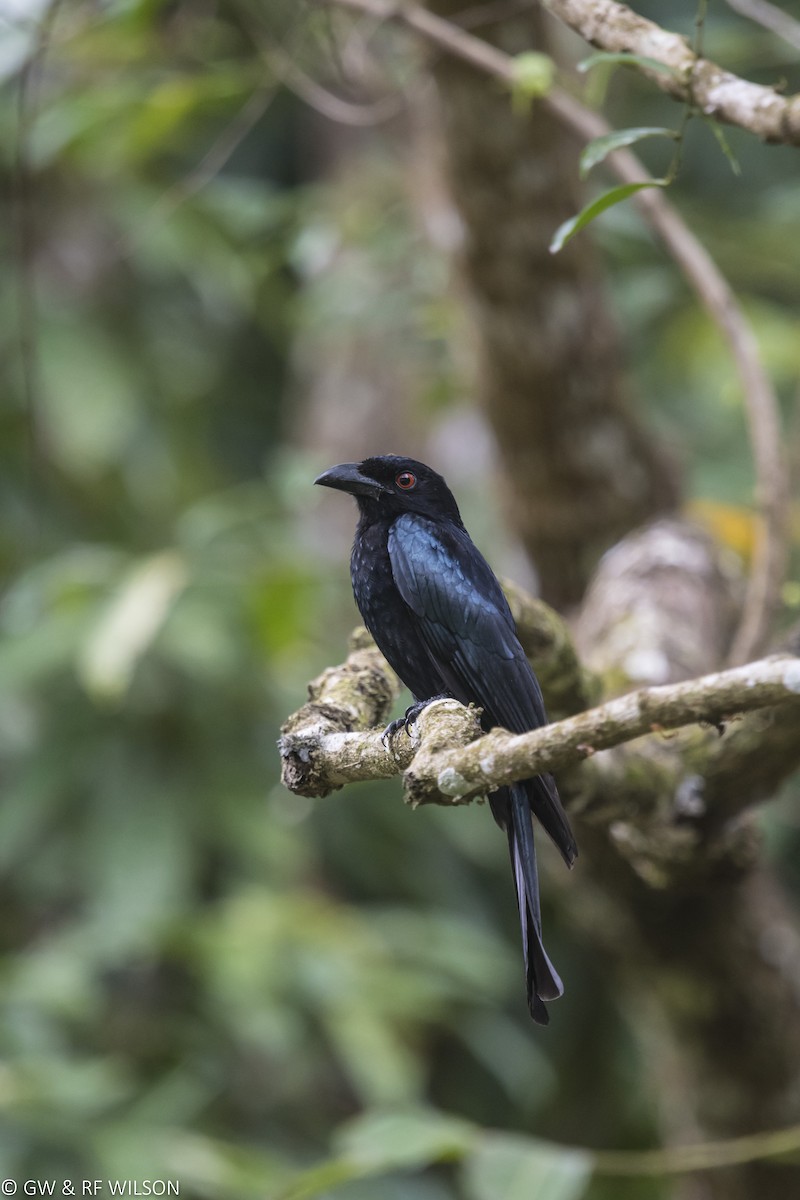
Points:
x=542 y=978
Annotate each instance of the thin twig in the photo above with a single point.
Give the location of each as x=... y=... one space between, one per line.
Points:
x=718 y=93
x=770 y=17
x=345 y=112
x=206 y=170
x=478 y=16
x=704 y=1156
x=210 y=165
x=282 y=63
x=762 y=411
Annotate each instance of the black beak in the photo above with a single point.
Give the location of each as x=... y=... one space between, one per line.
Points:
x=347 y=477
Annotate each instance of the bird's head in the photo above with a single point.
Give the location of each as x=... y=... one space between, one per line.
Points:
x=389 y=485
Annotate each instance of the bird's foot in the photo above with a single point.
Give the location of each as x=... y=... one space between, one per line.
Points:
x=408 y=718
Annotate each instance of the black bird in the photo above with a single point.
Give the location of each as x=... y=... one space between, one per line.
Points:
x=439 y=617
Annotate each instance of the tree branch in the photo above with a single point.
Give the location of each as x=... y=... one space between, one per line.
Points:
x=749 y=764
x=358 y=694
x=446 y=761
x=568 y=686
x=718 y=93
x=500 y=758
x=660 y=608
x=318 y=750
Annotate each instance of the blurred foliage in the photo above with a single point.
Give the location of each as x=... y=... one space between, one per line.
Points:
x=202 y=976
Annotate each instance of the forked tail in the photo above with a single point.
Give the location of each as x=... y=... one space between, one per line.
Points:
x=543 y=981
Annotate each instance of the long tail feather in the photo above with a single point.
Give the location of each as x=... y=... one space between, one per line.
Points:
x=542 y=979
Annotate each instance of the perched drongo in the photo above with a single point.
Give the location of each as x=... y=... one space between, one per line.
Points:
x=439 y=617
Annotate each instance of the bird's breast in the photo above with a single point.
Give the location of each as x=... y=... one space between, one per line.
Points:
x=387 y=616
x=371 y=574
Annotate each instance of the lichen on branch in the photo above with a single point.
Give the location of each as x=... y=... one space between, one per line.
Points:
x=356 y=695
x=445 y=760
x=718 y=93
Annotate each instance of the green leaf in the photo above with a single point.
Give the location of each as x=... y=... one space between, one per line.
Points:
x=380 y=1142
x=379 y=1064
x=319 y=1180
x=626 y=60
x=725 y=146
x=519 y=1168
x=532 y=76
x=790 y=593
x=384 y=1141
x=600 y=147
x=89 y=406
x=130 y=624
x=586 y=215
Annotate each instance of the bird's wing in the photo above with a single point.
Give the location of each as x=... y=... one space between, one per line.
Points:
x=464 y=620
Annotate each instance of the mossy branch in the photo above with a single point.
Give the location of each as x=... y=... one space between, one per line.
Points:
x=445 y=760
x=319 y=752
x=718 y=93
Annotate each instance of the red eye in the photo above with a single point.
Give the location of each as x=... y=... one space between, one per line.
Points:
x=406 y=480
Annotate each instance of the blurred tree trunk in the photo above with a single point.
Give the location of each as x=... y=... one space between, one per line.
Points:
x=580 y=468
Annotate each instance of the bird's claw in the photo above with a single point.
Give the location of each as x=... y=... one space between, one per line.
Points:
x=392 y=728
x=407 y=720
